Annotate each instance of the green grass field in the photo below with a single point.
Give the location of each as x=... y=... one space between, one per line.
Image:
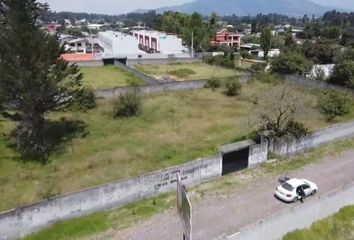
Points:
x=96 y=224
x=93 y=148
x=337 y=227
x=185 y=71
x=107 y=77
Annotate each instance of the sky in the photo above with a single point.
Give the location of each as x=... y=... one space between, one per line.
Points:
x=124 y=6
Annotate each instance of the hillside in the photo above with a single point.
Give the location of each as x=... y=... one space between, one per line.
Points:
x=242 y=7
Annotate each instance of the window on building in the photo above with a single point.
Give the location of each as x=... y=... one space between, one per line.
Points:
x=79 y=44
x=72 y=44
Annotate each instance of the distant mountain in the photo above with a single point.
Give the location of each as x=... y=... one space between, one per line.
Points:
x=249 y=7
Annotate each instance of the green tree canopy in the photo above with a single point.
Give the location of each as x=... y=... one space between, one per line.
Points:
x=266 y=41
x=343 y=74
x=291 y=63
x=34 y=80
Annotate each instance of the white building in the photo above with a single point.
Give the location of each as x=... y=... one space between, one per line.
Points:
x=94 y=26
x=79 y=45
x=118 y=44
x=158 y=42
x=321 y=71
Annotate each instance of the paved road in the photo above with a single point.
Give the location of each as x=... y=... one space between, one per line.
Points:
x=218 y=218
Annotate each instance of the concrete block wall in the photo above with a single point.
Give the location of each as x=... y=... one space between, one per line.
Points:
x=289 y=146
x=147 y=79
x=258 y=153
x=94 y=63
x=144 y=61
x=25 y=220
x=314 y=83
x=161 y=87
x=152 y=88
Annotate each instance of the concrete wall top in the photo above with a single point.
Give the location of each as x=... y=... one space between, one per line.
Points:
x=236 y=146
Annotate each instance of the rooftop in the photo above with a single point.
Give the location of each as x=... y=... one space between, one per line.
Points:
x=77 y=57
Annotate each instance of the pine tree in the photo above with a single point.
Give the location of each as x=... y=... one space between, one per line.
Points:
x=266 y=41
x=33 y=78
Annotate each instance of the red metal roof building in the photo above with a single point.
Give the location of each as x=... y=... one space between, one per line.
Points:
x=77 y=57
x=226 y=38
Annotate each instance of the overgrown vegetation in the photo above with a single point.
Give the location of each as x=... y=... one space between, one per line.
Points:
x=84 y=99
x=127 y=105
x=107 y=77
x=201 y=71
x=277 y=111
x=333 y=103
x=182 y=72
x=291 y=63
x=338 y=226
x=232 y=86
x=213 y=83
x=343 y=74
x=100 y=149
x=227 y=59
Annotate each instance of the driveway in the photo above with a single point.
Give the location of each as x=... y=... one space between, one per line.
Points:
x=219 y=217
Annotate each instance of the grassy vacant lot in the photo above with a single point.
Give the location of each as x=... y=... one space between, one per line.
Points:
x=337 y=227
x=93 y=148
x=185 y=71
x=107 y=77
x=85 y=227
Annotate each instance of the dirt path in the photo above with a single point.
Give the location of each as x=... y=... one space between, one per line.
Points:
x=219 y=217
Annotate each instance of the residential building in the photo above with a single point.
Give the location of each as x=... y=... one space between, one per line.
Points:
x=79 y=45
x=158 y=42
x=117 y=43
x=227 y=39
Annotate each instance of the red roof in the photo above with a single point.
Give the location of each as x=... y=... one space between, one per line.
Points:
x=77 y=57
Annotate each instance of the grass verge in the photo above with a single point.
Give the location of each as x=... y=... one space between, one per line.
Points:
x=340 y=226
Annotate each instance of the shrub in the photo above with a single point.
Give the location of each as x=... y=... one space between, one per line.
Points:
x=334 y=103
x=127 y=105
x=84 y=99
x=245 y=54
x=213 y=83
x=343 y=74
x=182 y=72
x=269 y=78
x=291 y=63
x=296 y=129
x=232 y=86
x=259 y=67
x=227 y=61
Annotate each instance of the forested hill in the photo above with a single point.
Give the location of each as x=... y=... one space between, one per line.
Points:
x=244 y=7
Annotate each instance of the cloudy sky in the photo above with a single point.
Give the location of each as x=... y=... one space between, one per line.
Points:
x=123 y=6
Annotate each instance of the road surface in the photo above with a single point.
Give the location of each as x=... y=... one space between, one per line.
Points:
x=218 y=218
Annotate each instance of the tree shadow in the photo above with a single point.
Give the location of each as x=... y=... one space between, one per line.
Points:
x=62 y=131
x=58 y=133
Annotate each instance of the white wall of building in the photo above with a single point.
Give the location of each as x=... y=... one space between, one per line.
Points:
x=117 y=43
x=165 y=43
x=171 y=45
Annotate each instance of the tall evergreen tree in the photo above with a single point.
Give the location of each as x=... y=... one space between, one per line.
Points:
x=33 y=78
x=266 y=41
